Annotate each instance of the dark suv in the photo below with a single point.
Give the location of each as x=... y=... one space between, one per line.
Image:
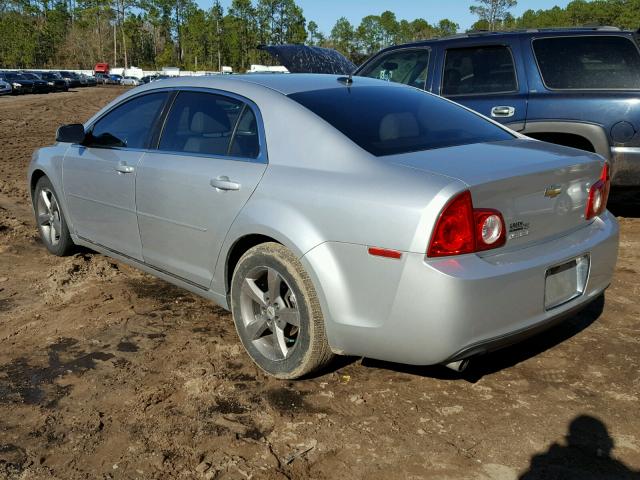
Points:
x=577 y=87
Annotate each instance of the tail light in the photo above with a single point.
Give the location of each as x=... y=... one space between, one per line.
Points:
x=462 y=229
x=598 y=194
x=490 y=229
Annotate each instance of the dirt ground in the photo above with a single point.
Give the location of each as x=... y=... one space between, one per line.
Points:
x=108 y=373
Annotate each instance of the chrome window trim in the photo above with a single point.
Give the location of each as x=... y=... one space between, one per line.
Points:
x=553 y=37
x=487 y=94
x=262 y=157
x=396 y=50
x=210 y=156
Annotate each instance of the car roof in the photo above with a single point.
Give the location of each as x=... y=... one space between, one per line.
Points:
x=283 y=83
x=530 y=32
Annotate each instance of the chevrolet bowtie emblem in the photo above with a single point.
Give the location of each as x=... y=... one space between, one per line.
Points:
x=553 y=191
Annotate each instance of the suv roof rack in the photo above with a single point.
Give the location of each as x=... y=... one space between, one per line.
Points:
x=473 y=33
x=482 y=33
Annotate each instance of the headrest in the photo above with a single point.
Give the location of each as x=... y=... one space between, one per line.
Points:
x=398 y=125
x=452 y=78
x=215 y=120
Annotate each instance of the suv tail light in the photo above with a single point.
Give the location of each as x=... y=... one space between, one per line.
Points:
x=598 y=194
x=462 y=229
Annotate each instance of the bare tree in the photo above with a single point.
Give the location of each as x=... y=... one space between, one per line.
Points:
x=121 y=7
x=492 y=11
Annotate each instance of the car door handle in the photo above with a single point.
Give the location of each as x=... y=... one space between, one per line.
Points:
x=502 y=112
x=122 y=167
x=223 y=183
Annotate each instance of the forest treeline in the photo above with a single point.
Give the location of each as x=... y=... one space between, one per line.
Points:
x=155 y=33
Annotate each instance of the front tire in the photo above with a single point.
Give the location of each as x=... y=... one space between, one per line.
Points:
x=50 y=219
x=277 y=313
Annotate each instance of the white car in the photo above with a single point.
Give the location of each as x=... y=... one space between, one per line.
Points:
x=131 y=81
x=5 y=88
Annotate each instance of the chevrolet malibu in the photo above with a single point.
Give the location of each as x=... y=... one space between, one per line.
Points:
x=334 y=215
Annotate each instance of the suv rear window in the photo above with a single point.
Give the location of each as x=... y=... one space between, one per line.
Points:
x=588 y=62
x=393 y=120
x=479 y=70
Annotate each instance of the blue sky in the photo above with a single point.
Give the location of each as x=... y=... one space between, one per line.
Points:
x=326 y=12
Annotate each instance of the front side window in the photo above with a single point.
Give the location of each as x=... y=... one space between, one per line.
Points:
x=588 y=62
x=479 y=71
x=130 y=124
x=404 y=66
x=387 y=120
x=210 y=124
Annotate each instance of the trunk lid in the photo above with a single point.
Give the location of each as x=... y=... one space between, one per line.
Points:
x=541 y=189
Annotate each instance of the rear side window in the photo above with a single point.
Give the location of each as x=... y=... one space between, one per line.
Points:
x=403 y=66
x=393 y=120
x=201 y=123
x=479 y=70
x=128 y=125
x=588 y=62
x=246 y=142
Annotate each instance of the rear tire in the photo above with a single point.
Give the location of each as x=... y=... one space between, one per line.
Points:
x=50 y=219
x=277 y=313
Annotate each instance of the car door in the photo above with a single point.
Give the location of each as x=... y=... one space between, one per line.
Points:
x=210 y=158
x=409 y=66
x=488 y=78
x=99 y=177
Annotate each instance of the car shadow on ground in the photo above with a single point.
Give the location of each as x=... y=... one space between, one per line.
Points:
x=624 y=202
x=584 y=454
x=506 y=357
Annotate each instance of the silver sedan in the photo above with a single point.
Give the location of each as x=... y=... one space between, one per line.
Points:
x=130 y=81
x=334 y=215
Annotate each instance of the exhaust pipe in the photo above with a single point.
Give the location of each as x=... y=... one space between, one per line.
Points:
x=459 y=366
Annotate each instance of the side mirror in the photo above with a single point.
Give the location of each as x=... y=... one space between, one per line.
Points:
x=72 y=133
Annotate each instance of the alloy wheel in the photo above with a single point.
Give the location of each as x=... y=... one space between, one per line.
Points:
x=49 y=217
x=270 y=314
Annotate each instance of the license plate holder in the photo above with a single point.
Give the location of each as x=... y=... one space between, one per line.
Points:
x=566 y=281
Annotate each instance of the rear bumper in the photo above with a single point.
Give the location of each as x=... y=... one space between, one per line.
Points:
x=514 y=337
x=426 y=311
x=625 y=166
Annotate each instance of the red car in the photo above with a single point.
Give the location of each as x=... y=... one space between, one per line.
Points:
x=101 y=68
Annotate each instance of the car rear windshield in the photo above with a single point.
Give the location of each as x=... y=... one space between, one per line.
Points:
x=387 y=120
x=588 y=62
